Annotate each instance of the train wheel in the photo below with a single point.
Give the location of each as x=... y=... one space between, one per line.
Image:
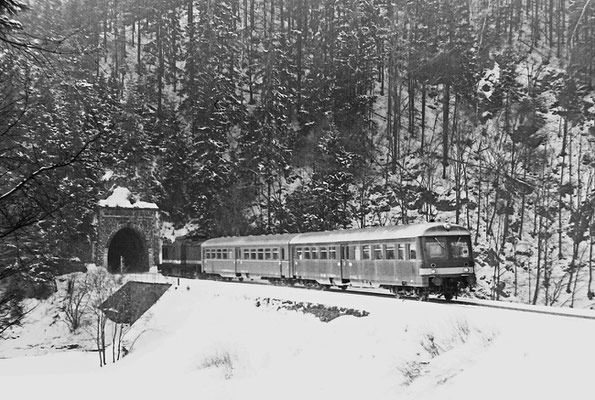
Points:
x=448 y=295
x=422 y=294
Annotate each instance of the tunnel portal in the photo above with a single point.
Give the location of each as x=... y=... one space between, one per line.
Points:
x=128 y=237
x=127 y=252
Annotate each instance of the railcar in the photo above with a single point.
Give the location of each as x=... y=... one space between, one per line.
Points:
x=416 y=259
x=182 y=257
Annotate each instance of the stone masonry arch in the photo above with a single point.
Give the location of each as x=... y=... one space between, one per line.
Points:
x=128 y=239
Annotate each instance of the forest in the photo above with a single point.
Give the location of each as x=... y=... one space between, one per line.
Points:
x=265 y=116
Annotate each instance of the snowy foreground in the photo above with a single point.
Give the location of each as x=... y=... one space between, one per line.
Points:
x=215 y=340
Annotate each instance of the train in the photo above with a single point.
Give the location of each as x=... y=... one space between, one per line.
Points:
x=408 y=260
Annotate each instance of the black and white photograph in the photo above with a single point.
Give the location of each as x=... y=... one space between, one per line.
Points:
x=297 y=199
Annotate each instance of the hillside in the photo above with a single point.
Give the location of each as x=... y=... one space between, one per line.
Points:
x=244 y=117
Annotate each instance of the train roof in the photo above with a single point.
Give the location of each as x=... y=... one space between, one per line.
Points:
x=256 y=240
x=380 y=233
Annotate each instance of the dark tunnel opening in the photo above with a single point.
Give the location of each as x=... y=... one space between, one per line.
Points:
x=127 y=252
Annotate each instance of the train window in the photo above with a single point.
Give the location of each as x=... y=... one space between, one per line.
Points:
x=332 y=253
x=410 y=251
x=267 y=254
x=366 y=252
x=400 y=251
x=275 y=254
x=246 y=254
x=314 y=253
x=253 y=254
x=224 y=254
x=390 y=251
x=355 y=253
x=323 y=253
x=165 y=253
x=261 y=254
x=218 y=252
x=377 y=252
x=283 y=253
x=299 y=253
x=436 y=248
x=459 y=247
x=306 y=253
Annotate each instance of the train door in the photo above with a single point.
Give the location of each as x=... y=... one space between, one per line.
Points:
x=344 y=262
x=236 y=260
x=183 y=253
x=281 y=261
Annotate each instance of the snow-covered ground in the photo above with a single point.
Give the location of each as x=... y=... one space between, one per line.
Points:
x=216 y=340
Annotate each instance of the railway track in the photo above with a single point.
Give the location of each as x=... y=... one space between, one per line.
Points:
x=383 y=293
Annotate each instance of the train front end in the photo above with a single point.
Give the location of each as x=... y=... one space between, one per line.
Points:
x=447 y=264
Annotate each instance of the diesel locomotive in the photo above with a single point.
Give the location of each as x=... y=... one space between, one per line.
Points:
x=414 y=260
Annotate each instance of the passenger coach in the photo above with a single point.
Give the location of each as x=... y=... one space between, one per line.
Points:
x=415 y=259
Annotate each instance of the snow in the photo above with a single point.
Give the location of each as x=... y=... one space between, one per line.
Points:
x=224 y=340
x=120 y=197
x=489 y=80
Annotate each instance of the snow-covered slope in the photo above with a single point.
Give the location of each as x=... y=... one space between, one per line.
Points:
x=216 y=340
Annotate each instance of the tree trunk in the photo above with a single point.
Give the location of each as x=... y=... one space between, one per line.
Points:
x=445 y=122
x=138 y=49
x=423 y=117
x=538 y=273
x=560 y=198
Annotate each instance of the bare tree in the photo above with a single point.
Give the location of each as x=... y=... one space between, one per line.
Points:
x=100 y=285
x=76 y=301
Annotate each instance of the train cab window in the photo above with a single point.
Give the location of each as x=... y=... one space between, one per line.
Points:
x=261 y=254
x=299 y=253
x=366 y=252
x=436 y=247
x=275 y=254
x=459 y=247
x=390 y=251
x=377 y=252
x=323 y=253
x=332 y=253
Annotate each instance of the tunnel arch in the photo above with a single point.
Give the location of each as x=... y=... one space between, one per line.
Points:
x=127 y=252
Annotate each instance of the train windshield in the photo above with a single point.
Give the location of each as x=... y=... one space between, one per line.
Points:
x=436 y=248
x=453 y=247
x=459 y=247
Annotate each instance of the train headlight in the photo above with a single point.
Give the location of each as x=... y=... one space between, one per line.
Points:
x=466 y=269
x=433 y=270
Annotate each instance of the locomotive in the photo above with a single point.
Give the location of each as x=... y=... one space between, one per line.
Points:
x=413 y=260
